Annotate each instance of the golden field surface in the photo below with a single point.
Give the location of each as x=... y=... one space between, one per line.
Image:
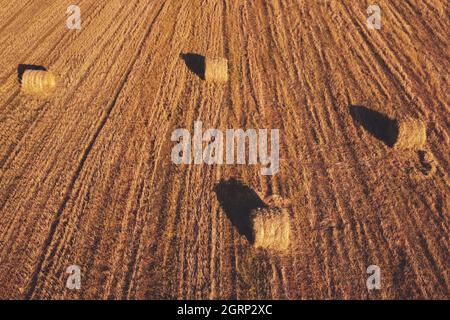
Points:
x=86 y=176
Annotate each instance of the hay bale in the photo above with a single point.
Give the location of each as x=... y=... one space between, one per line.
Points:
x=271 y=228
x=412 y=134
x=38 y=82
x=216 y=70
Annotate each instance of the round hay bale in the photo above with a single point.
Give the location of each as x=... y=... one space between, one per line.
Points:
x=38 y=82
x=412 y=134
x=271 y=228
x=216 y=70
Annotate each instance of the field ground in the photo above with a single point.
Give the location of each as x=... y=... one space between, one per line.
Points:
x=86 y=176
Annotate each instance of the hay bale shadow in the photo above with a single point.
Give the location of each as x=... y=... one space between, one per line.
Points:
x=377 y=124
x=195 y=63
x=238 y=201
x=24 y=67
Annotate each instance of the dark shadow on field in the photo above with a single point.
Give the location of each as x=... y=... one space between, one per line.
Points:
x=24 y=67
x=377 y=124
x=238 y=201
x=195 y=63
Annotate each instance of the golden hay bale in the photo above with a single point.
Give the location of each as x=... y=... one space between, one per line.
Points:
x=271 y=228
x=216 y=69
x=412 y=134
x=38 y=82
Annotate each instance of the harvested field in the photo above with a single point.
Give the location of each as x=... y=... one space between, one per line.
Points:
x=86 y=176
